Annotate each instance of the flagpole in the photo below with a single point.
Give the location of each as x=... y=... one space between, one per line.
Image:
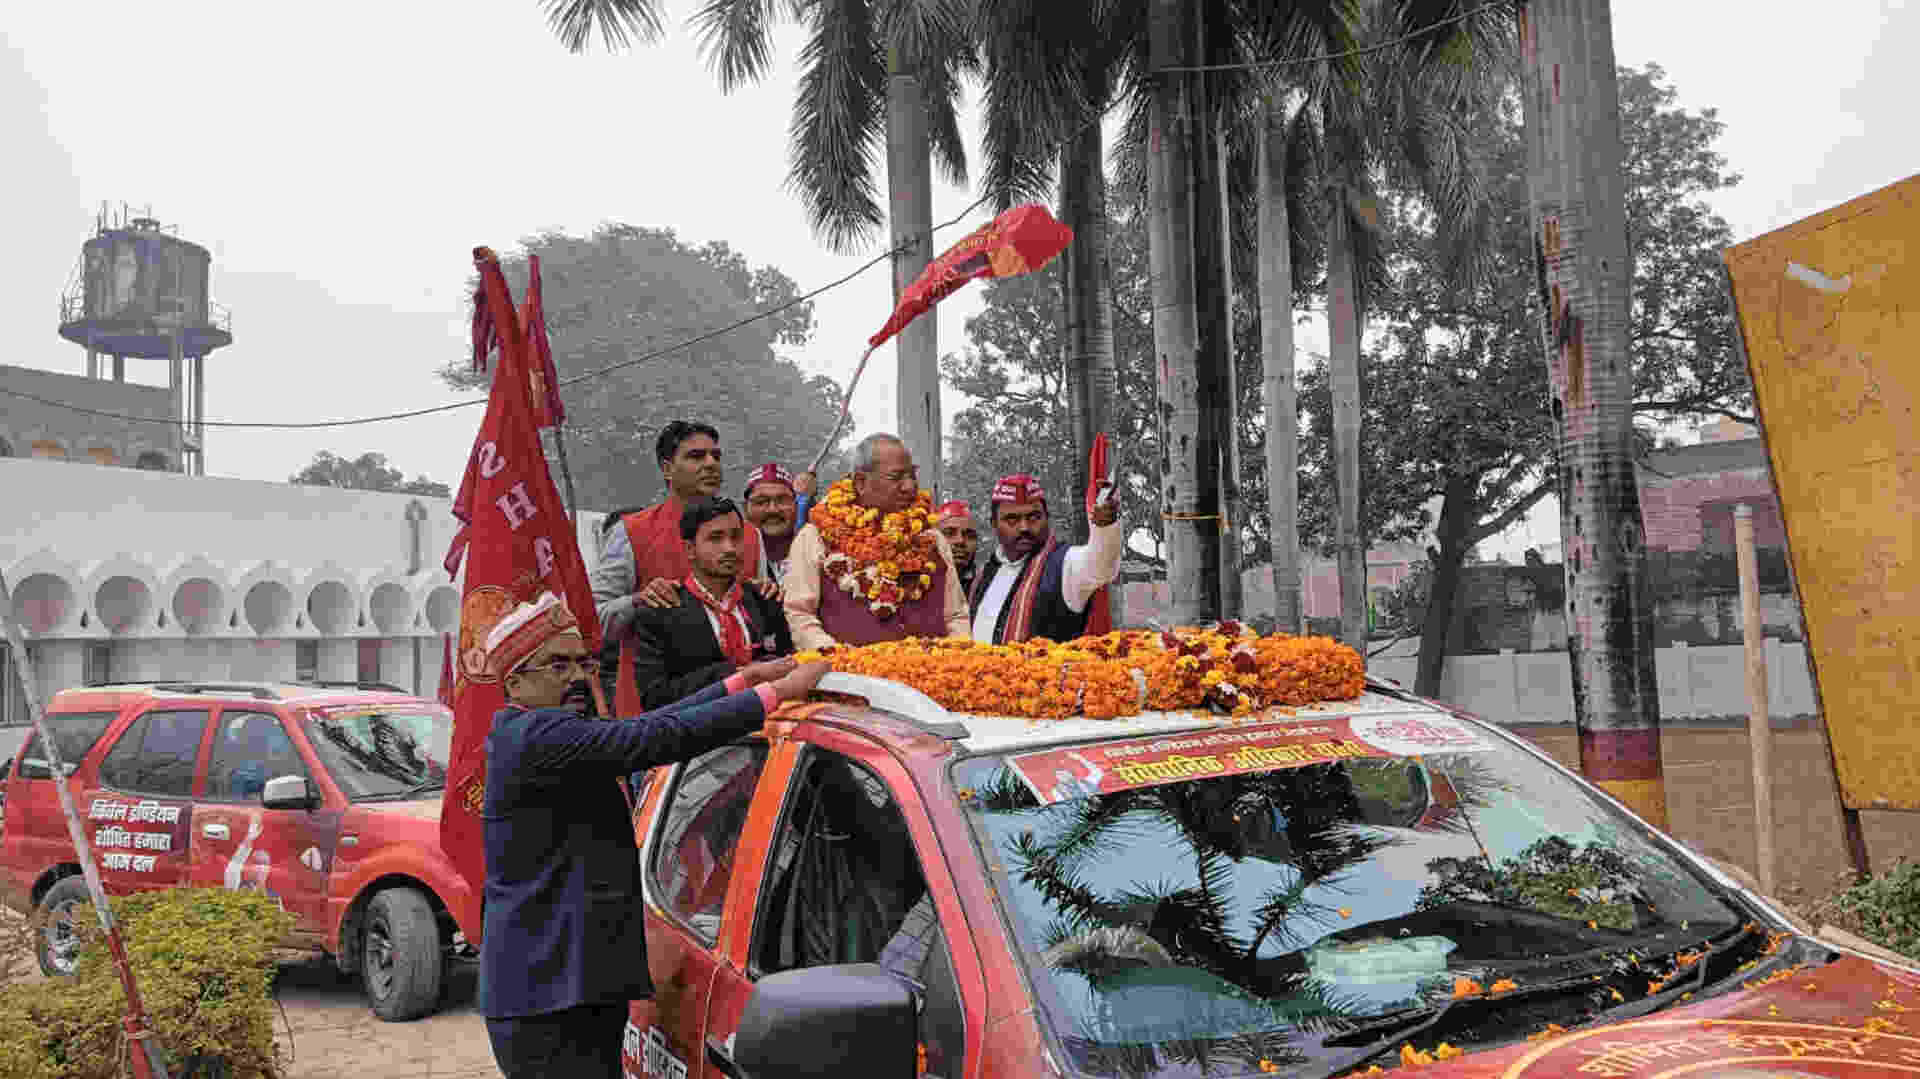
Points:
x=566 y=474
x=846 y=403
x=146 y=1058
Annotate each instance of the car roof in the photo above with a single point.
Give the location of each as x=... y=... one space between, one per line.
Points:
x=974 y=733
x=306 y=694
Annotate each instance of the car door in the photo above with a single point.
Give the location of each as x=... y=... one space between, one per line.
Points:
x=35 y=837
x=140 y=811
x=241 y=845
x=691 y=858
x=879 y=896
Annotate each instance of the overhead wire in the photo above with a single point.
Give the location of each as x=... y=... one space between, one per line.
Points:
x=764 y=313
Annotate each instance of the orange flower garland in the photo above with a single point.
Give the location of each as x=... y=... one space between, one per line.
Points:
x=1119 y=674
x=886 y=561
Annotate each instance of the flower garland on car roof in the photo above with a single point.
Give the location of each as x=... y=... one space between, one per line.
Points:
x=1225 y=669
x=885 y=560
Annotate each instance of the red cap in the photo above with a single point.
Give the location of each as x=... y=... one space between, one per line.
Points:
x=1018 y=487
x=768 y=473
x=955 y=508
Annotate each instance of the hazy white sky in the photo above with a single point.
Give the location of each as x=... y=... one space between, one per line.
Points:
x=341 y=161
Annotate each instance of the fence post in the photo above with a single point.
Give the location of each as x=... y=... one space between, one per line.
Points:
x=1759 y=726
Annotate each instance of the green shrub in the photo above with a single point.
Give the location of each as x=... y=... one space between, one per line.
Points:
x=203 y=960
x=1885 y=909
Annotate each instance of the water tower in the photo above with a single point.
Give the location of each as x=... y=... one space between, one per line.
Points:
x=141 y=291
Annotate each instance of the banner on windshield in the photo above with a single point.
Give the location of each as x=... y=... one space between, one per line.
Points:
x=1066 y=772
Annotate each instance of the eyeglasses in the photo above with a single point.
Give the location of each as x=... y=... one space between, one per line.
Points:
x=560 y=665
x=897 y=477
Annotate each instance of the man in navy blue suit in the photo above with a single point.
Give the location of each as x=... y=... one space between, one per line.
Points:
x=563 y=949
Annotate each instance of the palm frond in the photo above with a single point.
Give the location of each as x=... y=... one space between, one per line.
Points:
x=736 y=39
x=619 y=22
x=940 y=91
x=839 y=119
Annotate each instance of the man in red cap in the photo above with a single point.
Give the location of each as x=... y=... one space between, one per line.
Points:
x=955 y=521
x=776 y=504
x=1035 y=586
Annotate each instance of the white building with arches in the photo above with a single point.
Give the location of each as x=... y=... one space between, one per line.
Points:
x=126 y=574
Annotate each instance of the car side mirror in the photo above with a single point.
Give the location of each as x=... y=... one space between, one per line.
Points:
x=843 y=1020
x=288 y=792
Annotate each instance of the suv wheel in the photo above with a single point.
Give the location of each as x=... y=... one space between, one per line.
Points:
x=57 y=945
x=401 y=959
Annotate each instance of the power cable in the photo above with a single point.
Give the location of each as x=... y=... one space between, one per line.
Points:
x=758 y=315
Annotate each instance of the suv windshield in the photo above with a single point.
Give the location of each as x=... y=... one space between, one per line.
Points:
x=1282 y=891
x=374 y=754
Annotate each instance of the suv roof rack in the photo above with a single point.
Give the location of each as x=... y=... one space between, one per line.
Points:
x=900 y=700
x=256 y=690
x=320 y=683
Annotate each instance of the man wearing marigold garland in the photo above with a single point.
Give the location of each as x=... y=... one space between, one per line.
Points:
x=1035 y=586
x=869 y=566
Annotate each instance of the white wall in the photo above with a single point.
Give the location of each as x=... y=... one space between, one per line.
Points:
x=1536 y=687
x=94 y=553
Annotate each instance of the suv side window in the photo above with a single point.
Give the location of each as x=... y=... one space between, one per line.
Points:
x=250 y=748
x=845 y=886
x=706 y=809
x=156 y=754
x=74 y=734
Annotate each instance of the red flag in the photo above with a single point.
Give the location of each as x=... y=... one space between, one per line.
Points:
x=543 y=387
x=516 y=542
x=1019 y=241
x=1099 y=484
x=446 y=669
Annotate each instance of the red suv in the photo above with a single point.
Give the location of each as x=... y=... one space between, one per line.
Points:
x=875 y=886
x=324 y=796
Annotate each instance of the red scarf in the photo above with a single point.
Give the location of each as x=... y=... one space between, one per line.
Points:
x=733 y=636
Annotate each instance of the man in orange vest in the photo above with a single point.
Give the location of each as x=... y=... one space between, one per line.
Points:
x=645 y=559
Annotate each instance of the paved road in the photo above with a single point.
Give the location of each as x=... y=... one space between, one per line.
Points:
x=328 y=1033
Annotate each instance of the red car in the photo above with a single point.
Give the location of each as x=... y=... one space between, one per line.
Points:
x=874 y=886
x=326 y=797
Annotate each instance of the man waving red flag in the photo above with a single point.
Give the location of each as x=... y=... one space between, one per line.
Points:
x=516 y=541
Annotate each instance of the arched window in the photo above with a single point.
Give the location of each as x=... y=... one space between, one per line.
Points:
x=152 y=461
x=6 y=448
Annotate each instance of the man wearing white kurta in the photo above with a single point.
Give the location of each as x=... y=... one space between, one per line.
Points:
x=1034 y=586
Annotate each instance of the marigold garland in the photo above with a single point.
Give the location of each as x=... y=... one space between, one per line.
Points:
x=1226 y=669
x=886 y=560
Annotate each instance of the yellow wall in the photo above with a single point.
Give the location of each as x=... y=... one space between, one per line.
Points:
x=1830 y=315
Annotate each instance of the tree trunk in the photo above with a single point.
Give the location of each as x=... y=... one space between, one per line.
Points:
x=1278 y=391
x=1343 y=332
x=1585 y=275
x=1456 y=519
x=1216 y=297
x=1189 y=493
x=1087 y=292
x=910 y=202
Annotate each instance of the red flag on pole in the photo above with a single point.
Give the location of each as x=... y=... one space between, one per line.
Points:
x=1100 y=487
x=516 y=542
x=543 y=387
x=446 y=669
x=1019 y=241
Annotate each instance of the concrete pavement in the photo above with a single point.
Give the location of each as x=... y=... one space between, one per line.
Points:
x=328 y=1033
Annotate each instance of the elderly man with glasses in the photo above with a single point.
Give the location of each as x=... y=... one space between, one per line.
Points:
x=563 y=949
x=838 y=585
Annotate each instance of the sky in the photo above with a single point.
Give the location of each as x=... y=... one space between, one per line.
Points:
x=341 y=163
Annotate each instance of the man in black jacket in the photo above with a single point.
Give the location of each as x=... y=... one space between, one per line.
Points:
x=718 y=627
x=563 y=949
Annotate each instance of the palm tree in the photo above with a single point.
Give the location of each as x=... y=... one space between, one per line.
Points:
x=1403 y=117
x=875 y=72
x=1576 y=179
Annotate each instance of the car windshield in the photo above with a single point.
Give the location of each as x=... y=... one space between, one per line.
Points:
x=1260 y=892
x=376 y=754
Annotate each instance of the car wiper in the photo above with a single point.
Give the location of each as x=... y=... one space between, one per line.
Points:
x=1654 y=1002
x=1424 y=1021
